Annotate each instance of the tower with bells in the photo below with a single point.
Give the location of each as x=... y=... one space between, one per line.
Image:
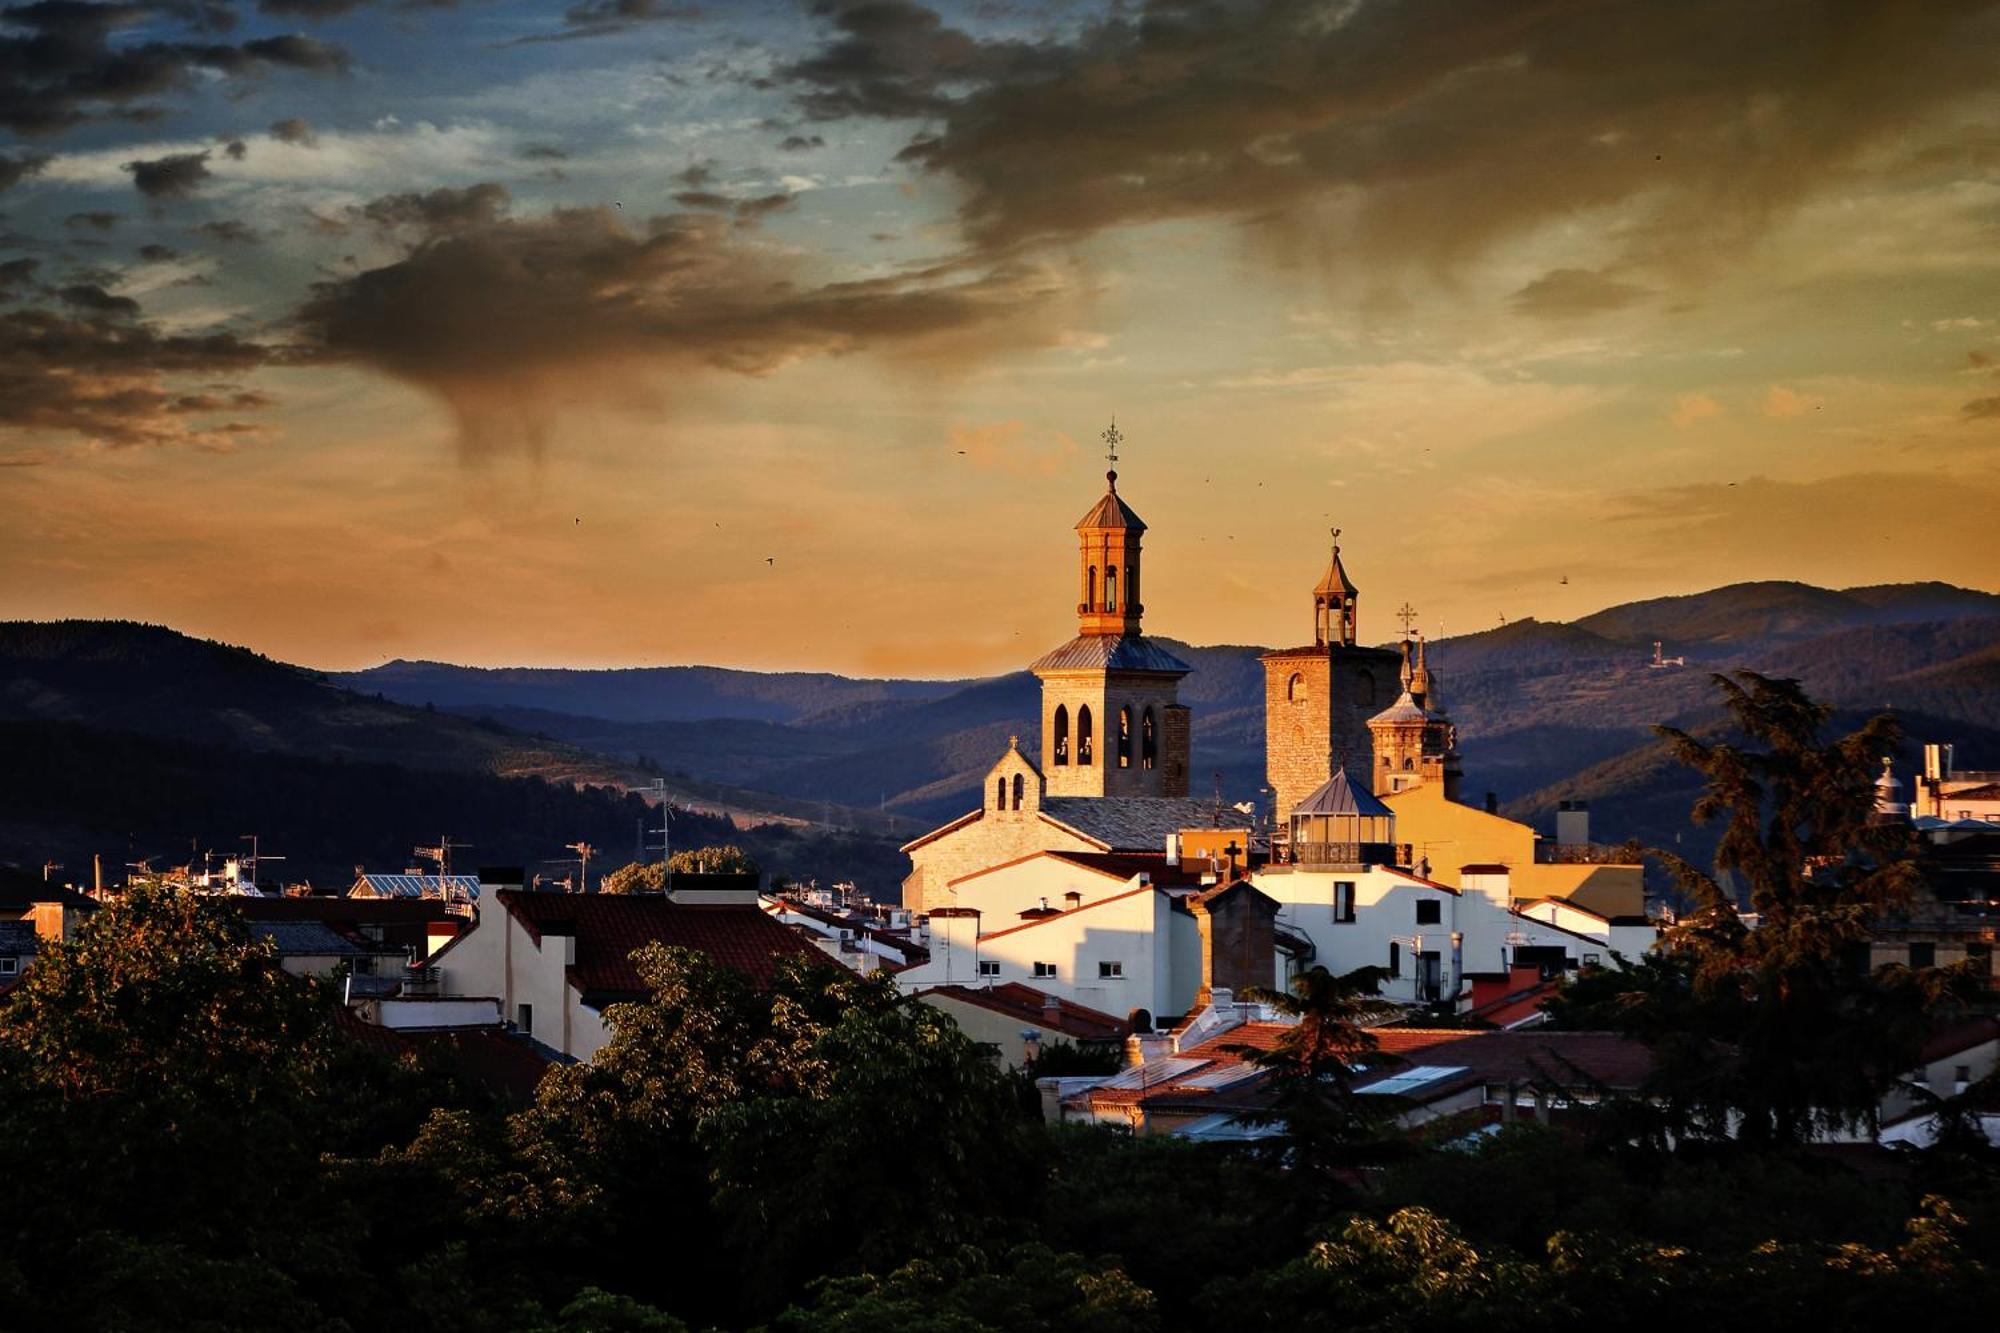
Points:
x=1414 y=741
x=1319 y=696
x=1112 y=722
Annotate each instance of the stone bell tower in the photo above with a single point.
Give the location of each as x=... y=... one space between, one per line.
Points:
x=1112 y=724
x=1318 y=697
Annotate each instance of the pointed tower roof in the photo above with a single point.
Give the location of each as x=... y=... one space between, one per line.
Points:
x=1111 y=511
x=1405 y=709
x=1339 y=796
x=1335 y=582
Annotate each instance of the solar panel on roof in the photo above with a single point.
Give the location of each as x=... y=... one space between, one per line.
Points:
x=1153 y=1071
x=1221 y=1077
x=1409 y=1080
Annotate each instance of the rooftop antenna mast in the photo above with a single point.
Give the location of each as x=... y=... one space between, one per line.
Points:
x=441 y=854
x=584 y=851
x=256 y=856
x=658 y=791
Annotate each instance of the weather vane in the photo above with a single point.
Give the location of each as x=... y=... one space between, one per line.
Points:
x=1112 y=439
x=1336 y=538
x=1408 y=615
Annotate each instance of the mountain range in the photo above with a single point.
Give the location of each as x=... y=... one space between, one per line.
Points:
x=1546 y=711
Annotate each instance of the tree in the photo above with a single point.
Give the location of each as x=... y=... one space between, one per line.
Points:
x=1775 y=1033
x=635 y=877
x=725 y=859
x=1026 y=1289
x=1329 y=1127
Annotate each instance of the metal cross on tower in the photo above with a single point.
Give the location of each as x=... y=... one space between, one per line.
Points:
x=1112 y=439
x=1408 y=615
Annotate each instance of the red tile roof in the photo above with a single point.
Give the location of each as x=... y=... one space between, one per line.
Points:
x=1029 y=1005
x=610 y=927
x=1959 y=1037
x=504 y=1063
x=1124 y=865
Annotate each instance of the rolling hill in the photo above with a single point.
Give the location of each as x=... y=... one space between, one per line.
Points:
x=1546 y=712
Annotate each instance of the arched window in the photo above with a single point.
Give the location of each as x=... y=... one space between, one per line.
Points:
x=1408 y=763
x=1149 y=741
x=1000 y=793
x=1061 y=746
x=1090 y=589
x=1111 y=588
x=1295 y=688
x=1125 y=736
x=1083 y=749
x=1020 y=785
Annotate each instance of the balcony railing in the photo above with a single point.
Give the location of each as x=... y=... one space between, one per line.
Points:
x=1350 y=853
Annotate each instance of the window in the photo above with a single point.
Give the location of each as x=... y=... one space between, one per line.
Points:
x=1961 y=1074
x=1295 y=688
x=1090 y=590
x=1110 y=971
x=1429 y=911
x=1125 y=736
x=1020 y=786
x=1000 y=793
x=1395 y=959
x=989 y=967
x=1062 y=735
x=9 y=966
x=1343 y=900
x=1083 y=735
x=1149 y=742
x=526 y=1019
x=1923 y=955
x=1111 y=588
x=1045 y=971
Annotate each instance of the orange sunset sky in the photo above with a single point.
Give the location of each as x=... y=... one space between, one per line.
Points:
x=631 y=333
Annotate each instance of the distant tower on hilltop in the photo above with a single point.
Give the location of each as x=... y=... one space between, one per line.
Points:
x=1317 y=697
x=1112 y=722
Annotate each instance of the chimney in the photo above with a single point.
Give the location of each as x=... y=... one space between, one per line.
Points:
x=1173 y=849
x=1073 y=900
x=97 y=873
x=1573 y=823
x=1492 y=802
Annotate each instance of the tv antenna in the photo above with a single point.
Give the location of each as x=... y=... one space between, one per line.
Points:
x=441 y=854
x=256 y=856
x=584 y=851
x=658 y=791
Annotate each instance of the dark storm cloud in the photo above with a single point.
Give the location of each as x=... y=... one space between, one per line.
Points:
x=801 y=143
x=14 y=168
x=444 y=209
x=17 y=273
x=894 y=58
x=1422 y=130
x=506 y=319
x=228 y=231
x=63 y=62
x=94 y=220
x=1567 y=293
x=93 y=301
x=158 y=254
x=89 y=368
x=295 y=130
x=175 y=176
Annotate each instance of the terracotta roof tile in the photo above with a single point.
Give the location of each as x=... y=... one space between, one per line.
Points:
x=1029 y=1005
x=610 y=927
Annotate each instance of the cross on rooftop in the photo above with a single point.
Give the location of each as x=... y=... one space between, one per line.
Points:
x=1408 y=615
x=1112 y=439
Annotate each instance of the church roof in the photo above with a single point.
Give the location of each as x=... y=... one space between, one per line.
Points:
x=1405 y=709
x=1105 y=652
x=1339 y=796
x=1129 y=823
x=1111 y=512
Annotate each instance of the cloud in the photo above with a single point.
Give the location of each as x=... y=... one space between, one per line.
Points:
x=1568 y=293
x=1982 y=409
x=1782 y=404
x=295 y=130
x=17 y=273
x=90 y=369
x=95 y=221
x=1420 y=131
x=1693 y=408
x=596 y=18
x=506 y=319
x=16 y=167
x=176 y=176
x=155 y=253
x=228 y=231
x=64 y=63
x=445 y=209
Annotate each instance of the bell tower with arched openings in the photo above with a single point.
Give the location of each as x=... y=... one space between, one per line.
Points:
x=1112 y=724
x=1318 y=697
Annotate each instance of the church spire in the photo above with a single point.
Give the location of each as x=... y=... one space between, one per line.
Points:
x=1334 y=603
x=1108 y=542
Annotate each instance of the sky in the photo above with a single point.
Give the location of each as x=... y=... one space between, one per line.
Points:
x=633 y=332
